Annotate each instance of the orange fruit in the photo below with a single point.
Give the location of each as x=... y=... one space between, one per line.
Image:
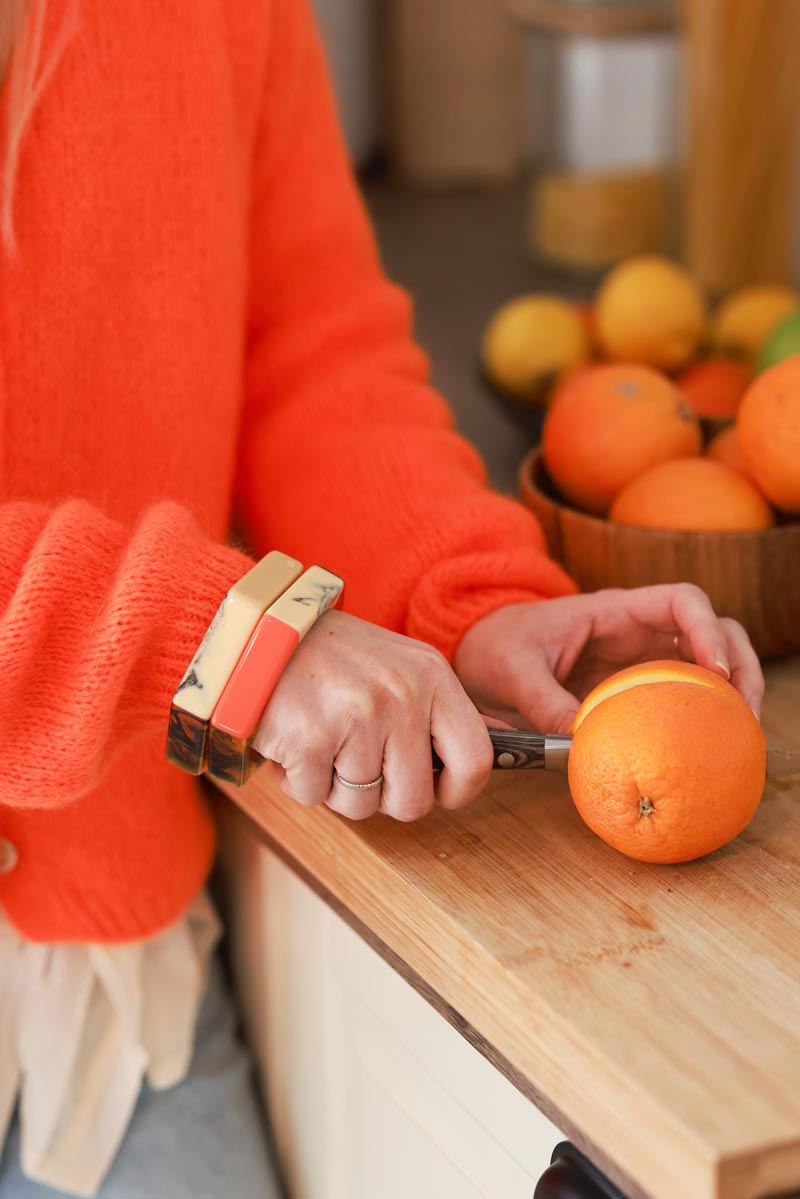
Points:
x=650 y=310
x=714 y=388
x=692 y=493
x=607 y=424
x=768 y=424
x=667 y=762
x=744 y=320
x=725 y=449
x=530 y=341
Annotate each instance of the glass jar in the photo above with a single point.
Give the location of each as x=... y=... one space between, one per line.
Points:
x=602 y=98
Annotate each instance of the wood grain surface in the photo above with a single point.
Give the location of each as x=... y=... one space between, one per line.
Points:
x=653 y=1011
x=742 y=98
x=752 y=576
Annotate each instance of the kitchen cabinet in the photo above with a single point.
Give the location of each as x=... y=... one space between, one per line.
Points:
x=372 y=1093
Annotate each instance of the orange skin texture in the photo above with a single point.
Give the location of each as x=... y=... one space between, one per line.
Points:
x=725 y=449
x=692 y=493
x=641 y=673
x=608 y=424
x=715 y=388
x=768 y=423
x=667 y=768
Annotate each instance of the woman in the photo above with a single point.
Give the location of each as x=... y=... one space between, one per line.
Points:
x=193 y=319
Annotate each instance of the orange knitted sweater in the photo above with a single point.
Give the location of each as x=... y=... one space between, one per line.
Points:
x=195 y=322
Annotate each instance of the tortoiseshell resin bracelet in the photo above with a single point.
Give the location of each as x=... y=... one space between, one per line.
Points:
x=231 y=757
x=204 y=682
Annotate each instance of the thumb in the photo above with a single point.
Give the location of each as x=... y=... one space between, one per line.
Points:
x=545 y=704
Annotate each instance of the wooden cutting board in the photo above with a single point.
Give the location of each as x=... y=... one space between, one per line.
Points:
x=652 y=1012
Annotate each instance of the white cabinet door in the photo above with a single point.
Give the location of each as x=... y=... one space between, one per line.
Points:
x=373 y=1095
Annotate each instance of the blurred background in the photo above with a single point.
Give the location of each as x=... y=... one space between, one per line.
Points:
x=517 y=146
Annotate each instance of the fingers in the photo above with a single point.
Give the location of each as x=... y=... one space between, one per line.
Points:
x=302 y=761
x=685 y=610
x=746 y=674
x=718 y=643
x=462 y=742
x=360 y=760
x=544 y=702
x=408 y=791
x=697 y=621
x=307 y=780
x=365 y=702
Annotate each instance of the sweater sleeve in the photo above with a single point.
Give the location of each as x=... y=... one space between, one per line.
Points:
x=346 y=453
x=97 y=625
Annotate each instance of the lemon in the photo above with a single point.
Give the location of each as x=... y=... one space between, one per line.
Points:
x=650 y=311
x=746 y=318
x=530 y=341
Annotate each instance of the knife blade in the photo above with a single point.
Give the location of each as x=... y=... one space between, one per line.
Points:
x=781 y=762
x=519 y=749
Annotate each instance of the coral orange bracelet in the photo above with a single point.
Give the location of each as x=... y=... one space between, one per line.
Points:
x=245 y=696
x=217 y=655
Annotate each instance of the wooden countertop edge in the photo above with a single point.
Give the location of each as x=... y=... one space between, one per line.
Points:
x=312 y=844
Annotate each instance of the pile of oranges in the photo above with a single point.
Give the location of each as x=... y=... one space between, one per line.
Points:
x=633 y=384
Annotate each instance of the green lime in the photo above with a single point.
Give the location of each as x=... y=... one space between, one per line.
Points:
x=783 y=341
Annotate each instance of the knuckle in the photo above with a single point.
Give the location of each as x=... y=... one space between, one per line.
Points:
x=289 y=722
x=395 y=689
x=413 y=808
x=529 y=693
x=359 y=810
x=308 y=799
x=436 y=658
x=476 y=768
x=433 y=661
x=359 y=707
x=304 y=739
x=483 y=759
x=606 y=596
x=692 y=592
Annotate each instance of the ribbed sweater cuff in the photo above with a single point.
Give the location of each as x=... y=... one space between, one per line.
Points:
x=456 y=594
x=115 y=615
x=198 y=592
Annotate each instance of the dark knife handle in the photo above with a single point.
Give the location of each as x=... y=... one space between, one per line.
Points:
x=514 y=749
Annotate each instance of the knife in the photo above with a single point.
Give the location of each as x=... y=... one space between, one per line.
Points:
x=518 y=749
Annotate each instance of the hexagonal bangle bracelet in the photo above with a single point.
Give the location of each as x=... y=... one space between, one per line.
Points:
x=231 y=757
x=219 y=651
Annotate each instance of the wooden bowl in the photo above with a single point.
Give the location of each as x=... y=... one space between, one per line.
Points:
x=753 y=576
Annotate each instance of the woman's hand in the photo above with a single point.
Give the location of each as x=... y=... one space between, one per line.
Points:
x=362 y=702
x=535 y=662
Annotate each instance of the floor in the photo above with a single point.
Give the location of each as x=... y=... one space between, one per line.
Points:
x=461 y=254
